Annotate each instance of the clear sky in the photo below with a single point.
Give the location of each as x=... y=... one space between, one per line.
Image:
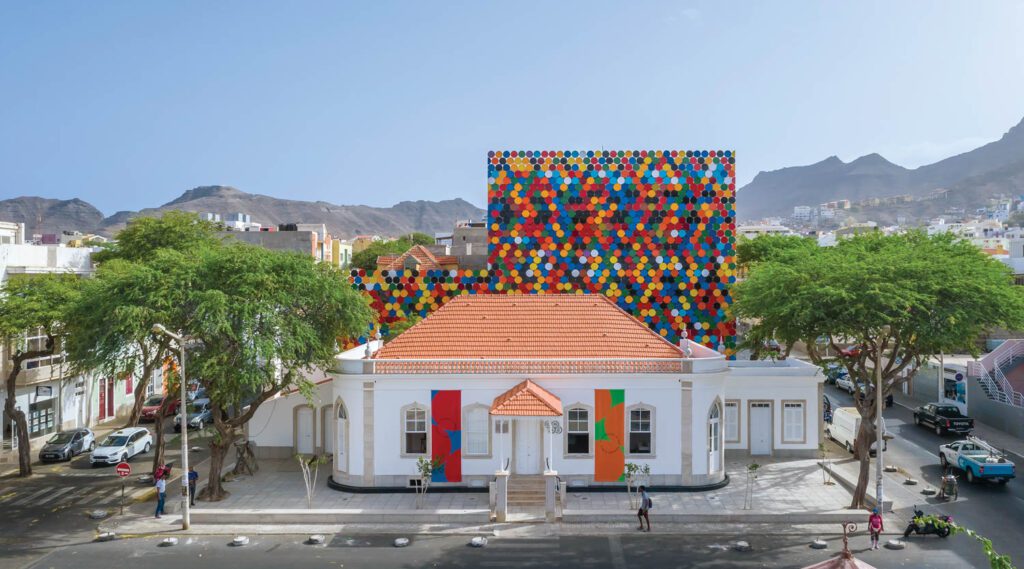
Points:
x=128 y=104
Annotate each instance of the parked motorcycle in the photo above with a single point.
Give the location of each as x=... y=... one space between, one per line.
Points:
x=920 y=527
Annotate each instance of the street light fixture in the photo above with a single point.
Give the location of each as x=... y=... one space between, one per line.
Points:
x=185 y=513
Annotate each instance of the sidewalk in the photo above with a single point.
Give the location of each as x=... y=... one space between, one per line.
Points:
x=995 y=437
x=784 y=492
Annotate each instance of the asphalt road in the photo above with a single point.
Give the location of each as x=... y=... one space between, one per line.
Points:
x=587 y=552
x=995 y=511
x=51 y=508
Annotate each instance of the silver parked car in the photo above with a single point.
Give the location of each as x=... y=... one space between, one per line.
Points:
x=66 y=445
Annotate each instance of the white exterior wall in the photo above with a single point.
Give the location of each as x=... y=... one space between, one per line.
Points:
x=662 y=392
x=273 y=427
x=777 y=385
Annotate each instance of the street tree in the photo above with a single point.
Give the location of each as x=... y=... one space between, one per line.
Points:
x=110 y=327
x=900 y=299
x=262 y=321
x=133 y=288
x=143 y=236
x=750 y=251
x=31 y=302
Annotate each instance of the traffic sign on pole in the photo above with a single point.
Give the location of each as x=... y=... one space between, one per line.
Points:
x=123 y=469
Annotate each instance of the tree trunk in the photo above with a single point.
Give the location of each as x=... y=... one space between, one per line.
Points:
x=862 y=451
x=20 y=424
x=161 y=441
x=219 y=448
x=140 y=390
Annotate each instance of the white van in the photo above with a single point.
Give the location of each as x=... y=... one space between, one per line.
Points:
x=844 y=427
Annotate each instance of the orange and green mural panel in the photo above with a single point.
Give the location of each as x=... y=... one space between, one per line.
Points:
x=609 y=435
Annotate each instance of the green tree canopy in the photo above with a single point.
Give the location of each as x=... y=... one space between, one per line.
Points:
x=179 y=230
x=135 y=287
x=29 y=303
x=768 y=247
x=263 y=320
x=367 y=258
x=911 y=295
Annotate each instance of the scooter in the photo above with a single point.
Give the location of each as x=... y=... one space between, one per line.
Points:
x=927 y=528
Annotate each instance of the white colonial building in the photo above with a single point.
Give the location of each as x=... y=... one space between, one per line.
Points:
x=542 y=383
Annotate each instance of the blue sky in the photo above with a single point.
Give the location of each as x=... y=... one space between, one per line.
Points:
x=128 y=104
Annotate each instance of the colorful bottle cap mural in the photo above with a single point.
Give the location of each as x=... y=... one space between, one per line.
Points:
x=653 y=230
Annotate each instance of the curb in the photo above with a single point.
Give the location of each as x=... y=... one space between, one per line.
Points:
x=332 y=517
x=851 y=485
x=750 y=517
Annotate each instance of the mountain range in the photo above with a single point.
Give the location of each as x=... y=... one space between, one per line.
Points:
x=967 y=181
x=970 y=178
x=42 y=215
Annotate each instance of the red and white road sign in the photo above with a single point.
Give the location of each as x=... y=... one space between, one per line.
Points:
x=123 y=469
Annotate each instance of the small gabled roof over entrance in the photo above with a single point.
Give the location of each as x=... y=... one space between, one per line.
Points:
x=527 y=400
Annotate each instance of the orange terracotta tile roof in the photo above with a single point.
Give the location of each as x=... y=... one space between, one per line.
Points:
x=529 y=326
x=527 y=400
x=425 y=260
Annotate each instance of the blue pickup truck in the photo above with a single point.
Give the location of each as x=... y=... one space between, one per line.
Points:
x=978 y=459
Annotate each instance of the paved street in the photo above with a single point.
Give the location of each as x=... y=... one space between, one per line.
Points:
x=51 y=508
x=997 y=512
x=596 y=552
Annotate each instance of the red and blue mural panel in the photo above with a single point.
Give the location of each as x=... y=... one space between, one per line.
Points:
x=446 y=435
x=652 y=230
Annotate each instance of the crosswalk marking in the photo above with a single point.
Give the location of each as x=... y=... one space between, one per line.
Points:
x=101 y=495
x=43 y=500
x=32 y=496
x=68 y=495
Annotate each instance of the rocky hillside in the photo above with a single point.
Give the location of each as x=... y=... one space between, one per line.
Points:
x=47 y=216
x=775 y=193
x=42 y=215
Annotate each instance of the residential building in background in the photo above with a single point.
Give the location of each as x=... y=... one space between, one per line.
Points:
x=360 y=242
x=50 y=396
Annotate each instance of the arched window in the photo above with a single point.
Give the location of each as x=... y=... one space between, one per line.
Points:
x=341 y=437
x=414 y=430
x=715 y=438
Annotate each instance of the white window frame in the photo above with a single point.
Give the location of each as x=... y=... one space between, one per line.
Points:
x=38 y=336
x=798 y=409
x=403 y=417
x=734 y=405
x=466 y=432
x=590 y=431
x=641 y=407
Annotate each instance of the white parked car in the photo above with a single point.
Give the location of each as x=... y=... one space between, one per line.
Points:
x=120 y=446
x=846 y=384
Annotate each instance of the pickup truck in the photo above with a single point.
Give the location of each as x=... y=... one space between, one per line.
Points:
x=978 y=460
x=943 y=418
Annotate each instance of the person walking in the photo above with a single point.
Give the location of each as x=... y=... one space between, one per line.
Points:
x=161 y=496
x=645 y=505
x=876 y=527
x=193 y=479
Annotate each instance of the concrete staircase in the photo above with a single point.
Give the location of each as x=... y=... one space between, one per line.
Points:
x=525 y=494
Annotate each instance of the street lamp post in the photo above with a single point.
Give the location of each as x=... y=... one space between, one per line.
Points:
x=879 y=425
x=186 y=521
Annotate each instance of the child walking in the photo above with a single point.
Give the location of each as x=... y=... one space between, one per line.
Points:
x=876 y=527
